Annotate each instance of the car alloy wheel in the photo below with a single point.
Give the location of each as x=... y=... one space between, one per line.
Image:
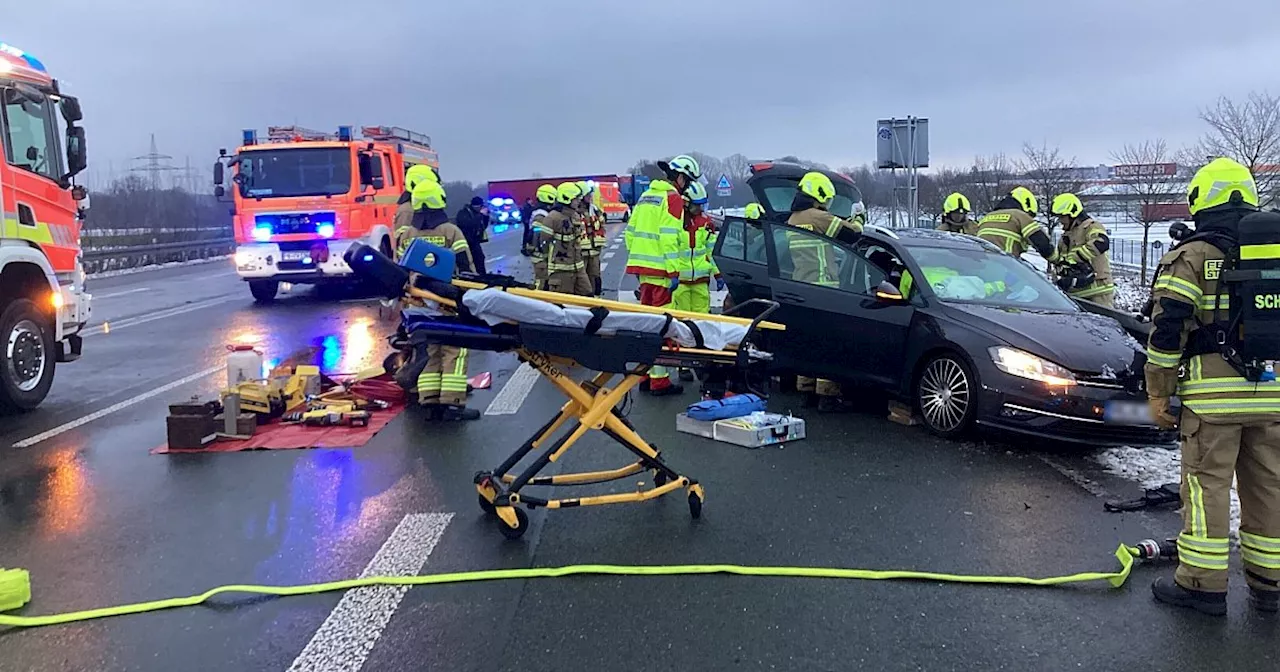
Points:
x=945 y=395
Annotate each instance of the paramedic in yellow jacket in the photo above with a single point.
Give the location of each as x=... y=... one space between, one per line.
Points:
x=814 y=261
x=955 y=215
x=1084 y=269
x=442 y=385
x=541 y=242
x=1012 y=225
x=1230 y=425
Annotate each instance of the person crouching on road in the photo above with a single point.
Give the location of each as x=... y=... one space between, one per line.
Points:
x=590 y=248
x=442 y=385
x=814 y=261
x=1230 y=426
x=955 y=215
x=1084 y=269
x=694 y=265
x=541 y=242
x=653 y=240
x=566 y=272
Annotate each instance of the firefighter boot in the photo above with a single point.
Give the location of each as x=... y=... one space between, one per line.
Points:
x=451 y=413
x=1169 y=592
x=432 y=411
x=1266 y=601
x=686 y=375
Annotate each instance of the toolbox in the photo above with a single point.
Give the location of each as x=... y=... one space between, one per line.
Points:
x=752 y=431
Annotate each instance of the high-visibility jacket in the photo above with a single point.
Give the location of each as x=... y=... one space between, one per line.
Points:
x=565 y=251
x=1014 y=231
x=442 y=233
x=814 y=259
x=541 y=243
x=937 y=274
x=592 y=240
x=1087 y=242
x=968 y=226
x=598 y=232
x=1189 y=305
x=653 y=234
x=694 y=263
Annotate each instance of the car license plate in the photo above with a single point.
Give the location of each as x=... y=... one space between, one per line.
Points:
x=295 y=255
x=1127 y=413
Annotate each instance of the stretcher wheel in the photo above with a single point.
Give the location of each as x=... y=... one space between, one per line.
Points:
x=486 y=505
x=518 y=531
x=695 y=505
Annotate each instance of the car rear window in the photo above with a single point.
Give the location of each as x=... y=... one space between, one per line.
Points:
x=780 y=191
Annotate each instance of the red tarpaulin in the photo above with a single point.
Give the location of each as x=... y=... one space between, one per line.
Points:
x=282 y=436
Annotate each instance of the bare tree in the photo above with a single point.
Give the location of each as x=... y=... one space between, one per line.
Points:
x=1145 y=187
x=991 y=178
x=935 y=187
x=1047 y=174
x=737 y=167
x=1249 y=132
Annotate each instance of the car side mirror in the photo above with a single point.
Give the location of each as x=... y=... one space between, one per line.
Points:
x=887 y=293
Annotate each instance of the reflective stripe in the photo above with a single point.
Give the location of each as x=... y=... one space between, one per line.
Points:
x=1164 y=360
x=1195 y=369
x=1259 y=542
x=1233 y=406
x=646 y=235
x=999 y=232
x=1181 y=287
x=429 y=382
x=1030 y=229
x=1211 y=562
x=1215 y=301
x=1197 y=507
x=1259 y=251
x=647 y=257
x=1094 y=291
x=1259 y=558
x=460 y=246
x=1219 y=385
x=833 y=227
x=555 y=267
x=1210 y=545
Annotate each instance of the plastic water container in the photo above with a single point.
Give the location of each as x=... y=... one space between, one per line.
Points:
x=244 y=363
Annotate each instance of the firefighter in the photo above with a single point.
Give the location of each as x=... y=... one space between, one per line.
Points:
x=955 y=215
x=653 y=238
x=814 y=262
x=590 y=243
x=1012 y=226
x=1084 y=268
x=566 y=272
x=1230 y=424
x=694 y=265
x=402 y=222
x=753 y=211
x=541 y=234
x=442 y=385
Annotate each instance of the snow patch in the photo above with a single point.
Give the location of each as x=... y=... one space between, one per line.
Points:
x=1152 y=468
x=1131 y=294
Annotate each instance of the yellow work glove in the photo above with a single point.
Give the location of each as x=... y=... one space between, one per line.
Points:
x=1160 y=412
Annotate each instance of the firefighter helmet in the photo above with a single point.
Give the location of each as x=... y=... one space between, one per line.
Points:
x=956 y=203
x=428 y=195
x=547 y=194
x=1026 y=200
x=817 y=186
x=684 y=165
x=696 y=193
x=1223 y=182
x=417 y=174
x=567 y=192
x=1068 y=205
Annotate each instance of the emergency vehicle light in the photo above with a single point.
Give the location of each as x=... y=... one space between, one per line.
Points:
x=32 y=61
x=344 y=133
x=495 y=202
x=325 y=230
x=250 y=136
x=508 y=201
x=262 y=232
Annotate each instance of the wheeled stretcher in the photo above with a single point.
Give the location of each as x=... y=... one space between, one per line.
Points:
x=553 y=333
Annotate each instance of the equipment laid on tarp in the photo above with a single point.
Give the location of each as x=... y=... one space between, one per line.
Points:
x=554 y=332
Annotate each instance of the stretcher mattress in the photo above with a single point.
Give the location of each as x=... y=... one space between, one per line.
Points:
x=494 y=306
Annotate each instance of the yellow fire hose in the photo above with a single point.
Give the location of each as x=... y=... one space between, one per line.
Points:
x=15 y=584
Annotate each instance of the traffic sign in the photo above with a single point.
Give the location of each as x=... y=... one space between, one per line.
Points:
x=724 y=187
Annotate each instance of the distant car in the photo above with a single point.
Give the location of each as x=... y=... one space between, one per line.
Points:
x=989 y=342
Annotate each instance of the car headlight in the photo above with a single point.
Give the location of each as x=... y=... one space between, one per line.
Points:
x=1026 y=365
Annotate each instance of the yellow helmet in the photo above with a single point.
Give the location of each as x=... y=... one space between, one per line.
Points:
x=428 y=195
x=1026 y=200
x=683 y=164
x=1221 y=182
x=818 y=187
x=547 y=194
x=956 y=203
x=1067 y=204
x=696 y=193
x=417 y=174
x=754 y=211
x=565 y=193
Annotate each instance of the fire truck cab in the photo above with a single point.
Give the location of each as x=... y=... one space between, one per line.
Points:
x=43 y=303
x=303 y=197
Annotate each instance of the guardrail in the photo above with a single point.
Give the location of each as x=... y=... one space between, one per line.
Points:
x=101 y=256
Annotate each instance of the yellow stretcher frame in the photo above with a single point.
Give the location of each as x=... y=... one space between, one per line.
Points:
x=591 y=406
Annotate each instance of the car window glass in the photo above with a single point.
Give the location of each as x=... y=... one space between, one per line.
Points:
x=817 y=260
x=779 y=192
x=733 y=239
x=30 y=142
x=966 y=275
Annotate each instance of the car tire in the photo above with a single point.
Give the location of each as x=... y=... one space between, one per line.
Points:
x=28 y=357
x=264 y=291
x=946 y=395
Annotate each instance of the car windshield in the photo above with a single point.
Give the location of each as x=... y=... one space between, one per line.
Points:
x=781 y=191
x=314 y=171
x=966 y=275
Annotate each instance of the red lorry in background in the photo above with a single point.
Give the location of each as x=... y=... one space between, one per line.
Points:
x=608 y=195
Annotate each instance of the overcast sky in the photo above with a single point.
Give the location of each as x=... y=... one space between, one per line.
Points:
x=507 y=88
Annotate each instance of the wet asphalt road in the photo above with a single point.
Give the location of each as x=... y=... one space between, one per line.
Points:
x=100 y=521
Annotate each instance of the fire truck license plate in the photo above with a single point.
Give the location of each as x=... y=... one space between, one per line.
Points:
x=294 y=255
x=1127 y=413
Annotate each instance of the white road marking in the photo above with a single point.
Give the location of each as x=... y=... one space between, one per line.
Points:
x=112 y=295
x=345 y=639
x=627 y=296
x=495 y=259
x=604 y=266
x=1087 y=484
x=66 y=427
x=607 y=255
x=108 y=326
x=512 y=395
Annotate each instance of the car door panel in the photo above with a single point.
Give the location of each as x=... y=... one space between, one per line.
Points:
x=739 y=253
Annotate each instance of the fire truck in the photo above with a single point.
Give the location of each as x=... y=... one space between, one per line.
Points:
x=302 y=197
x=43 y=303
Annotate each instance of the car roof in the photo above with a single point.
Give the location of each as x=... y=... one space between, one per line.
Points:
x=917 y=237
x=793 y=170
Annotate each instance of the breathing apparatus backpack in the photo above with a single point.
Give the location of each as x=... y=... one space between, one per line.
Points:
x=1251 y=277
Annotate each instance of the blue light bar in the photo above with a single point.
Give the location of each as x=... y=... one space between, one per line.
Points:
x=262 y=232
x=250 y=136
x=495 y=202
x=344 y=133
x=18 y=53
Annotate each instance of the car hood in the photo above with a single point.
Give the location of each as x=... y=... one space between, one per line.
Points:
x=1083 y=342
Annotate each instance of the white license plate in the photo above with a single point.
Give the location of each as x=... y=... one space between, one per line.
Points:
x=1127 y=413
x=297 y=255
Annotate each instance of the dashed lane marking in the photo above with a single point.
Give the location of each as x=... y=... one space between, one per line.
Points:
x=607 y=255
x=345 y=639
x=512 y=395
x=112 y=295
x=66 y=427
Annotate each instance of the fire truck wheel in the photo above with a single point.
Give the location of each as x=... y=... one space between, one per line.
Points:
x=264 y=291
x=27 y=356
